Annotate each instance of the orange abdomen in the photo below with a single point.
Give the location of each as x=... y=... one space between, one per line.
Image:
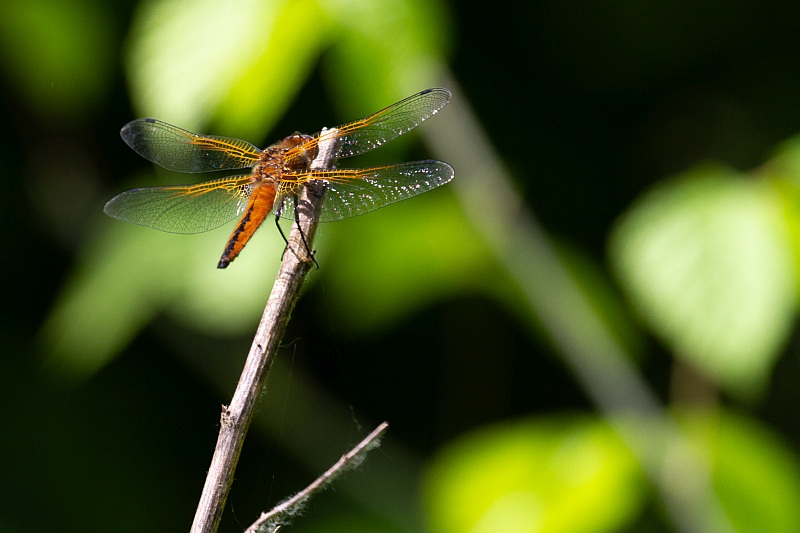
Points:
x=259 y=206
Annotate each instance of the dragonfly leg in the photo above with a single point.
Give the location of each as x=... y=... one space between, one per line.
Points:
x=299 y=227
x=309 y=251
x=283 y=235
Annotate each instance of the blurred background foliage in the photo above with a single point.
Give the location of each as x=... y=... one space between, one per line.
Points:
x=592 y=328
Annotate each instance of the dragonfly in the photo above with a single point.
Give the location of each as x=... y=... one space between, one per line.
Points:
x=276 y=173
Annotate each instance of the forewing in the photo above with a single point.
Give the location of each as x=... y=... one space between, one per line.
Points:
x=177 y=149
x=190 y=209
x=371 y=132
x=354 y=192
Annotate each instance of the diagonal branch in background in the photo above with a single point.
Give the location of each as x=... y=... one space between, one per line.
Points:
x=601 y=364
x=236 y=418
x=279 y=515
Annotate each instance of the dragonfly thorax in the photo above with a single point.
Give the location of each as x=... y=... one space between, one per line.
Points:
x=287 y=155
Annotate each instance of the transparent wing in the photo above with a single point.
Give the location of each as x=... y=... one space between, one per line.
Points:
x=190 y=209
x=355 y=192
x=177 y=149
x=371 y=132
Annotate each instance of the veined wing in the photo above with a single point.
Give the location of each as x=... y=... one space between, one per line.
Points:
x=358 y=191
x=371 y=132
x=177 y=149
x=178 y=209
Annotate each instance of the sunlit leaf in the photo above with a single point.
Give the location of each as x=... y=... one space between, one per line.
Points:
x=557 y=475
x=264 y=88
x=188 y=57
x=707 y=260
x=783 y=170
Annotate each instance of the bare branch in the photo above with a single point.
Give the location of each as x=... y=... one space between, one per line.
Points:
x=236 y=418
x=270 y=522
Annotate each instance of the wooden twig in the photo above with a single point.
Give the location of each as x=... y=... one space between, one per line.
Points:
x=279 y=515
x=236 y=417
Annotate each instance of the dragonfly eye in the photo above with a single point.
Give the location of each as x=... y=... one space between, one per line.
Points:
x=300 y=152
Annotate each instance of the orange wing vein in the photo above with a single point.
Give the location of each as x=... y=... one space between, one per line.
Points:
x=352 y=192
x=379 y=128
x=183 y=209
x=177 y=149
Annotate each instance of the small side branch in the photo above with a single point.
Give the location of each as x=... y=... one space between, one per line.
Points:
x=281 y=513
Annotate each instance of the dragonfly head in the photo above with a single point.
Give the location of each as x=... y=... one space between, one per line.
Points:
x=300 y=152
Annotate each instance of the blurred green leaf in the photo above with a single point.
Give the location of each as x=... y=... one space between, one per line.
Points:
x=130 y=274
x=385 y=266
x=241 y=62
x=706 y=258
x=755 y=475
x=567 y=474
x=58 y=53
x=190 y=59
x=786 y=161
x=105 y=304
x=264 y=88
x=384 y=51
x=783 y=170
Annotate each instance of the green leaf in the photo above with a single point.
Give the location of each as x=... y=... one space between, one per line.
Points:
x=384 y=266
x=568 y=474
x=706 y=259
x=131 y=274
x=785 y=163
x=380 y=55
x=783 y=170
x=112 y=295
x=240 y=60
x=755 y=475
x=296 y=38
